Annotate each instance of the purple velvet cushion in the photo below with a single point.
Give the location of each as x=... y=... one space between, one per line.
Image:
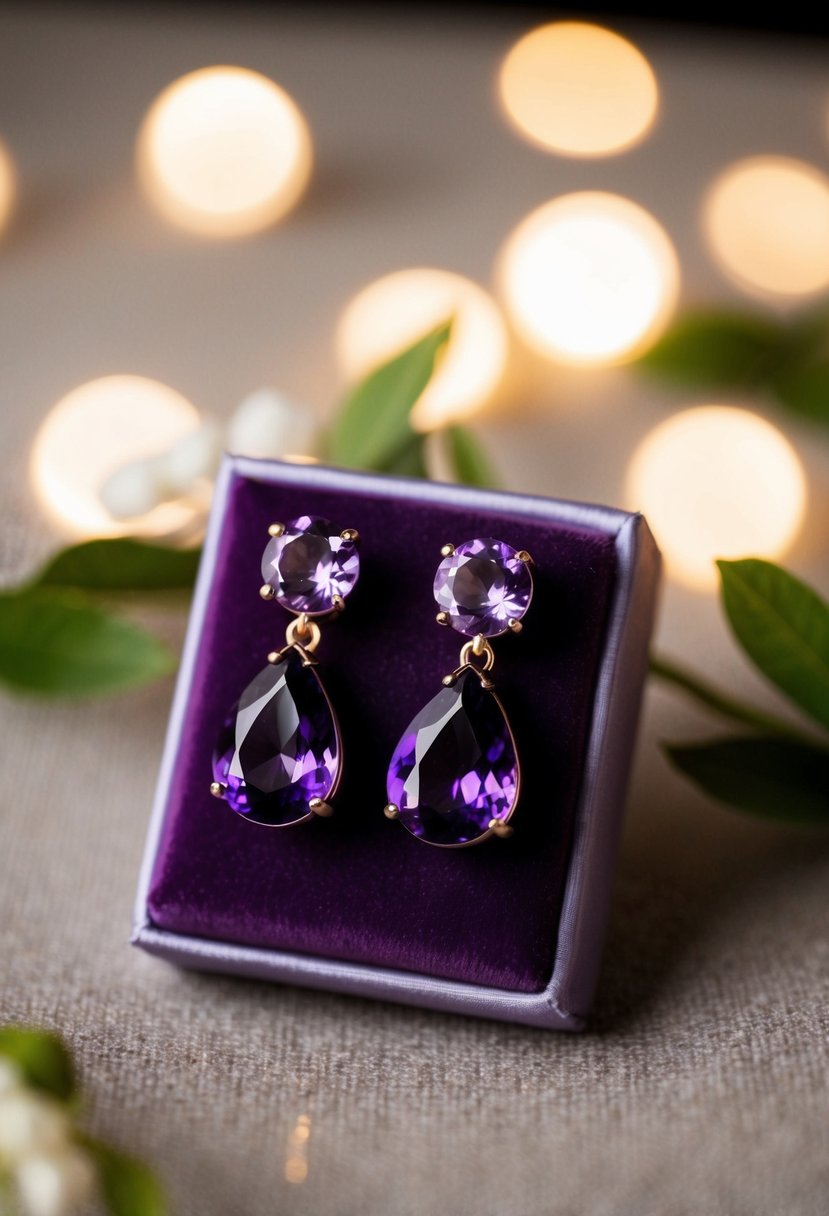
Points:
x=357 y=886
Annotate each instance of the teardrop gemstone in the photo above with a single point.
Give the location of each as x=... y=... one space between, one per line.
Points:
x=455 y=768
x=280 y=746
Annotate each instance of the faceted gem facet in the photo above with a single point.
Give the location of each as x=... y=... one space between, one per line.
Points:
x=455 y=767
x=309 y=565
x=280 y=745
x=482 y=586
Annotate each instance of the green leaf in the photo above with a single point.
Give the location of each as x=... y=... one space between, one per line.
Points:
x=129 y=1187
x=805 y=391
x=373 y=428
x=56 y=642
x=121 y=565
x=721 y=703
x=42 y=1059
x=469 y=461
x=764 y=775
x=783 y=626
x=717 y=349
x=410 y=461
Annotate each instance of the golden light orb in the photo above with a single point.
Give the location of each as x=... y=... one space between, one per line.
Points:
x=97 y=429
x=766 y=221
x=579 y=89
x=224 y=152
x=717 y=482
x=8 y=187
x=589 y=278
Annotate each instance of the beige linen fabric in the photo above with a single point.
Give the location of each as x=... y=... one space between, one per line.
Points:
x=701 y=1086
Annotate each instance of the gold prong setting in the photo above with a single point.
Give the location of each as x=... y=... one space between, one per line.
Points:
x=321 y=808
x=391 y=810
x=217 y=789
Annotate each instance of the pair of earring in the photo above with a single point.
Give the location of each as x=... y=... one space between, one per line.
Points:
x=454 y=777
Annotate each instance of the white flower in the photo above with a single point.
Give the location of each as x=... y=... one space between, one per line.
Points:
x=134 y=489
x=195 y=456
x=140 y=486
x=31 y=1123
x=267 y=424
x=57 y=1184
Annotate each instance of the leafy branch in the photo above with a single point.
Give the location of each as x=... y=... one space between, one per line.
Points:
x=745 y=350
x=59 y=634
x=777 y=771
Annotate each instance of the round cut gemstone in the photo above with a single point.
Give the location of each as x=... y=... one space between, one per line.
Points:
x=483 y=586
x=280 y=746
x=455 y=768
x=309 y=565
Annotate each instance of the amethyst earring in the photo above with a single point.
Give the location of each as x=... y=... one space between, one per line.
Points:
x=454 y=778
x=278 y=759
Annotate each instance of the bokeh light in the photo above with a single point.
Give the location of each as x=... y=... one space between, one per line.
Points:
x=392 y=312
x=766 y=220
x=589 y=278
x=7 y=185
x=716 y=481
x=296 y=1157
x=579 y=89
x=224 y=152
x=95 y=430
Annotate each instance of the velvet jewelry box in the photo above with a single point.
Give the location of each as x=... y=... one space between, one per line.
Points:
x=511 y=929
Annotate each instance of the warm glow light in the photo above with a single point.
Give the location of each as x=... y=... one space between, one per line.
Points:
x=296 y=1157
x=767 y=223
x=224 y=152
x=589 y=278
x=96 y=429
x=579 y=89
x=7 y=186
x=717 y=482
x=391 y=313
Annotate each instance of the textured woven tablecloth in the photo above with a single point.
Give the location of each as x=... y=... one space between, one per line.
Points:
x=701 y=1085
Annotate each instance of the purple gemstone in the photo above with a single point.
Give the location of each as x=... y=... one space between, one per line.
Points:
x=455 y=768
x=310 y=564
x=280 y=746
x=483 y=586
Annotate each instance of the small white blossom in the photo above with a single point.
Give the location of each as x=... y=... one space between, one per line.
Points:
x=266 y=424
x=55 y=1185
x=269 y=425
x=134 y=489
x=195 y=456
x=31 y=1123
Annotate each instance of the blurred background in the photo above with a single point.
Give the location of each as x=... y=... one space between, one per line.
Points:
x=214 y=220
x=567 y=193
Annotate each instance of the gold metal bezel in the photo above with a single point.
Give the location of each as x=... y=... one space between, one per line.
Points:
x=497 y=831
x=325 y=809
